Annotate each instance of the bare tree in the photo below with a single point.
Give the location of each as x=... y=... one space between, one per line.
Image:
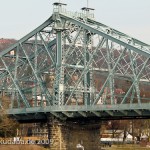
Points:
x=8 y=126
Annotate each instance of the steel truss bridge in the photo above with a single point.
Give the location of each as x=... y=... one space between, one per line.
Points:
x=72 y=66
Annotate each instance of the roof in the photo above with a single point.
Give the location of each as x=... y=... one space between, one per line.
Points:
x=144 y=137
x=87 y=8
x=59 y=3
x=111 y=131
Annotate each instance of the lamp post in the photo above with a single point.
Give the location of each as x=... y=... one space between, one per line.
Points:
x=87 y=3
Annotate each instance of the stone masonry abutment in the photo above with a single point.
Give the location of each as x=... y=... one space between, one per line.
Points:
x=73 y=135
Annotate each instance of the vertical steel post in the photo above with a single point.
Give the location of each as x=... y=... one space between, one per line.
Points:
x=15 y=77
x=59 y=87
x=111 y=72
x=35 y=69
x=87 y=74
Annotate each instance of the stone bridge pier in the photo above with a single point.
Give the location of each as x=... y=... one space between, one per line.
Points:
x=74 y=135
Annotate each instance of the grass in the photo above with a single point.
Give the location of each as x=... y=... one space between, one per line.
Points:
x=126 y=147
x=36 y=147
x=21 y=147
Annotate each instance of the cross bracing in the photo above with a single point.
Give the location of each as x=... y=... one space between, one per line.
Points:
x=74 y=66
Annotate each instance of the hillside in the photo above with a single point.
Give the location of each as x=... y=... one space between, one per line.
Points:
x=99 y=78
x=4 y=43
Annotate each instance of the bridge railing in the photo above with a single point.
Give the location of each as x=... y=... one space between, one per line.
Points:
x=77 y=14
x=60 y=8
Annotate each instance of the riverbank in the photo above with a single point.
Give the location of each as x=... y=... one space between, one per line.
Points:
x=126 y=147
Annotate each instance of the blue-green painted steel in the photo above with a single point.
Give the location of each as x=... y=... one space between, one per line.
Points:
x=73 y=66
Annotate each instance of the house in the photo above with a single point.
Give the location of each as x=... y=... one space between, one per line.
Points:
x=115 y=136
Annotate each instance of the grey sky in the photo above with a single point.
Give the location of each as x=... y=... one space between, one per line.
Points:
x=19 y=17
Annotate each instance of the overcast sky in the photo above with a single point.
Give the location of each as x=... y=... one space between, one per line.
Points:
x=19 y=17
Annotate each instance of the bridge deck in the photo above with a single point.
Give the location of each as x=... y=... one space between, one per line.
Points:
x=101 y=111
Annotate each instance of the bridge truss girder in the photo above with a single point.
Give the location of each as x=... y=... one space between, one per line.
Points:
x=73 y=61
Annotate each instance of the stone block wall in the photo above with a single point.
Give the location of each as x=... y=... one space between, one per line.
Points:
x=66 y=135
